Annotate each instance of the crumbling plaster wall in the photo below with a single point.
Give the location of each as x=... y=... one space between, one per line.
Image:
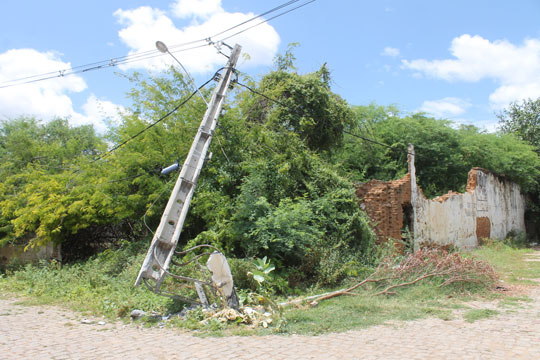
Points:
x=491 y=207
x=17 y=253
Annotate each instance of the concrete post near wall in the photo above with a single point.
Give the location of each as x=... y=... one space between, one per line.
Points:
x=414 y=191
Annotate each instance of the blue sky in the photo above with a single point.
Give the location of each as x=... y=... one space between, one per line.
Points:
x=460 y=60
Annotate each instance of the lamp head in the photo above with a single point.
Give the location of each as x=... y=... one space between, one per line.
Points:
x=162 y=47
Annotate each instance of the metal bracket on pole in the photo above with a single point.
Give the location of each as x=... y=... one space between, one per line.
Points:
x=156 y=264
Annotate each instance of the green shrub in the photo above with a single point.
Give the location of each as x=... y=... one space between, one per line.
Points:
x=240 y=269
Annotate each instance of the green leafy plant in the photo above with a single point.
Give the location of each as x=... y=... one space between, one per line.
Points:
x=264 y=268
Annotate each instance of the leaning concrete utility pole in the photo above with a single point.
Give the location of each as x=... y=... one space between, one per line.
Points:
x=158 y=258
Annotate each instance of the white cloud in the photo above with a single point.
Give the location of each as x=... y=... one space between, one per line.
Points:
x=445 y=108
x=47 y=99
x=390 y=51
x=515 y=68
x=143 y=26
x=196 y=8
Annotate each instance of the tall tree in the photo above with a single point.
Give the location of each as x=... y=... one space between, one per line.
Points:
x=523 y=120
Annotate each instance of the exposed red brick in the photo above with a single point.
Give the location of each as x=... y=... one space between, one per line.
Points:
x=483 y=228
x=472 y=180
x=446 y=196
x=383 y=201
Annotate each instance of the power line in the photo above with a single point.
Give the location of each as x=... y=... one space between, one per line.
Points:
x=157 y=121
x=145 y=55
x=86 y=67
x=303 y=112
x=98 y=66
x=265 y=21
x=256 y=17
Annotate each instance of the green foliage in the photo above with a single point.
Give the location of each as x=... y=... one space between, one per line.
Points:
x=54 y=188
x=510 y=261
x=479 y=314
x=297 y=212
x=444 y=154
x=522 y=120
x=102 y=285
x=307 y=107
x=279 y=185
x=264 y=268
x=241 y=270
x=36 y=194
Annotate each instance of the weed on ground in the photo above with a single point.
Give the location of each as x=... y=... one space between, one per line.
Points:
x=103 y=286
x=479 y=314
x=509 y=262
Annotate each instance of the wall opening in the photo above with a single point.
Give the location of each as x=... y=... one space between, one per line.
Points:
x=407 y=229
x=483 y=229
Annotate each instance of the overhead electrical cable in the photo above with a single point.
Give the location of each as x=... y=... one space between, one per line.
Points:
x=172 y=111
x=267 y=20
x=149 y=54
x=302 y=112
x=256 y=17
x=111 y=63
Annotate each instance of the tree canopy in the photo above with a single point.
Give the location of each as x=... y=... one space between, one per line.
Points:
x=523 y=120
x=280 y=182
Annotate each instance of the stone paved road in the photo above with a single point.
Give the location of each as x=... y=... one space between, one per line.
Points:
x=43 y=332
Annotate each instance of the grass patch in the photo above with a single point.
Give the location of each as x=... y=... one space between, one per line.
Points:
x=509 y=262
x=103 y=286
x=353 y=312
x=514 y=301
x=479 y=314
x=34 y=301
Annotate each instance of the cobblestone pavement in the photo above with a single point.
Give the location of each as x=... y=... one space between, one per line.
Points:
x=46 y=332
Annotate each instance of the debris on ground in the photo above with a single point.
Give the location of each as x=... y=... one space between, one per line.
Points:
x=392 y=273
x=246 y=315
x=253 y=316
x=137 y=314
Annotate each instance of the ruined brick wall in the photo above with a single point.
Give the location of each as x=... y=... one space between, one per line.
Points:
x=383 y=201
x=492 y=206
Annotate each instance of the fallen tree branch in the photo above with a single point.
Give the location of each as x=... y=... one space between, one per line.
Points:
x=329 y=295
x=386 y=291
x=348 y=291
x=298 y=301
x=420 y=265
x=459 y=279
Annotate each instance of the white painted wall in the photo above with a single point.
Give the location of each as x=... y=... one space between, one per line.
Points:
x=453 y=221
x=501 y=201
